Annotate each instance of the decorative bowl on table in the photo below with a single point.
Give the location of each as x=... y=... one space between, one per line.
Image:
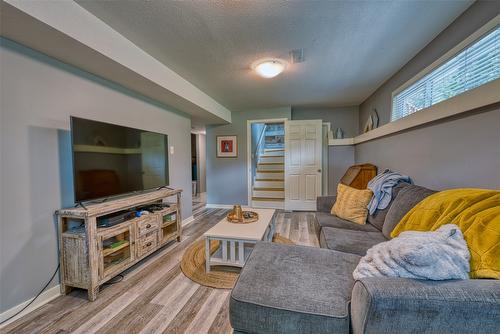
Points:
x=238 y=216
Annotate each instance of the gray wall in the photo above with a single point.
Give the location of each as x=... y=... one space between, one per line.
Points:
x=339 y=159
x=458 y=152
x=38 y=96
x=471 y=20
x=461 y=151
x=227 y=177
x=340 y=117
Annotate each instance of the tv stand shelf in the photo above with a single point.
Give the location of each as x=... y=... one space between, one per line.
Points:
x=92 y=255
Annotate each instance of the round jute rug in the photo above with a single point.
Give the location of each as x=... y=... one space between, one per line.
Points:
x=193 y=265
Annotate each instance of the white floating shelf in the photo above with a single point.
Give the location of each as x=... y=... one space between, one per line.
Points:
x=468 y=101
x=341 y=142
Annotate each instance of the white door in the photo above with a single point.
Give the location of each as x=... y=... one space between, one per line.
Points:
x=303 y=141
x=153 y=160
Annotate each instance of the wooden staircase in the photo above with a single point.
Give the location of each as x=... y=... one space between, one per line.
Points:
x=269 y=187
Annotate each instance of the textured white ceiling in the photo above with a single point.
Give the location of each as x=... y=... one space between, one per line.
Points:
x=351 y=47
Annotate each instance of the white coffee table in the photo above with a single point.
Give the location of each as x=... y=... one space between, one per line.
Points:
x=237 y=240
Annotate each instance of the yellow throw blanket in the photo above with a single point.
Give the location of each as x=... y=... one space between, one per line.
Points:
x=475 y=211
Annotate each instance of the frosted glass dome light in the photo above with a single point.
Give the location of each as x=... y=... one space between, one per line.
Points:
x=269 y=68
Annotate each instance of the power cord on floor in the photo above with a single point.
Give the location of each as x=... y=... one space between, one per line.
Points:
x=31 y=302
x=117 y=279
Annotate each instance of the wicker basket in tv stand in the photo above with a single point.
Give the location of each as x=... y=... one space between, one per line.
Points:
x=91 y=255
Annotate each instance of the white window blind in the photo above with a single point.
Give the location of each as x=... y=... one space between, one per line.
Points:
x=474 y=66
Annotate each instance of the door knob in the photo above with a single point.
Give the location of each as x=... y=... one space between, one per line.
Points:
x=319 y=170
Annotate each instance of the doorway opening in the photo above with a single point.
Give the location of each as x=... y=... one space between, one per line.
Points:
x=198 y=171
x=266 y=163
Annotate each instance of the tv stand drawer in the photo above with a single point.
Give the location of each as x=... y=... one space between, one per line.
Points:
x=147 y=244
x=149 y=224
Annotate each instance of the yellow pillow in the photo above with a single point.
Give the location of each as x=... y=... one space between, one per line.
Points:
x=352 y=204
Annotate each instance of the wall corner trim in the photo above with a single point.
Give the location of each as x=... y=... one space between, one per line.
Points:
x=43 y=299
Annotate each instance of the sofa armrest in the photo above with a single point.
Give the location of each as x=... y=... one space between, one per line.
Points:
x=325 y=203
x=399 y=305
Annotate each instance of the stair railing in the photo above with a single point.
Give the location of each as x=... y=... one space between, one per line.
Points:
x=259 y=148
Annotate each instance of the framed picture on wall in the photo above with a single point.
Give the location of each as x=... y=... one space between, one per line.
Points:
x=227 y=147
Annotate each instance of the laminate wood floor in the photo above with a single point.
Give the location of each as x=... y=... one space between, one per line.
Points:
x=154 y=296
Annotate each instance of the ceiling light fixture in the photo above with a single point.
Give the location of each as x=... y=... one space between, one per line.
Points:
x=269 y=68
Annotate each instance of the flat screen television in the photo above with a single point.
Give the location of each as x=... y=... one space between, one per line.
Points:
x=111 y=160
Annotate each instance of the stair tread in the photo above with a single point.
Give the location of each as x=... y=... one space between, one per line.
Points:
x=268 y=199
x=268 y=189
x=270 y=171
x=270 y=163
x=271 y=180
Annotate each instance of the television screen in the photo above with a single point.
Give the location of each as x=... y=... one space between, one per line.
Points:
x=110 y=160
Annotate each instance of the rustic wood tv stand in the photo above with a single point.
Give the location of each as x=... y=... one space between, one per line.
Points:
x=91 y=255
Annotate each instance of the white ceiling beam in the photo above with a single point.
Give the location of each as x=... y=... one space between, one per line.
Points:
x=68 y=32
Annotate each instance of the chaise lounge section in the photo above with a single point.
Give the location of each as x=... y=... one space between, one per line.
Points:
x=293 y=290
x=297 y=289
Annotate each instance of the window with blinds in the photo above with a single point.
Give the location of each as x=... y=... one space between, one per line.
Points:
x=474 y=66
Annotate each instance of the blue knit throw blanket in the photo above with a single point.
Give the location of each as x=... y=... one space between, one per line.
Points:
x=382 y=185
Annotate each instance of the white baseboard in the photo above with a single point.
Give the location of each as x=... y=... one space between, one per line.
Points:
x=43 y=299
x=187 y=221
x=219 y=206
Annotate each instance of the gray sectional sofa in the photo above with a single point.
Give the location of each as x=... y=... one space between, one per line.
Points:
x=296 y=289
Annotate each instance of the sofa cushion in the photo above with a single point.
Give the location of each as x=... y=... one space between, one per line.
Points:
x=349 y=241
x=378 y=218
x=293 y=289
x=403 y=306
x=352 y=204
x=328 y=220
x=406 y=199
x=325 y=203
